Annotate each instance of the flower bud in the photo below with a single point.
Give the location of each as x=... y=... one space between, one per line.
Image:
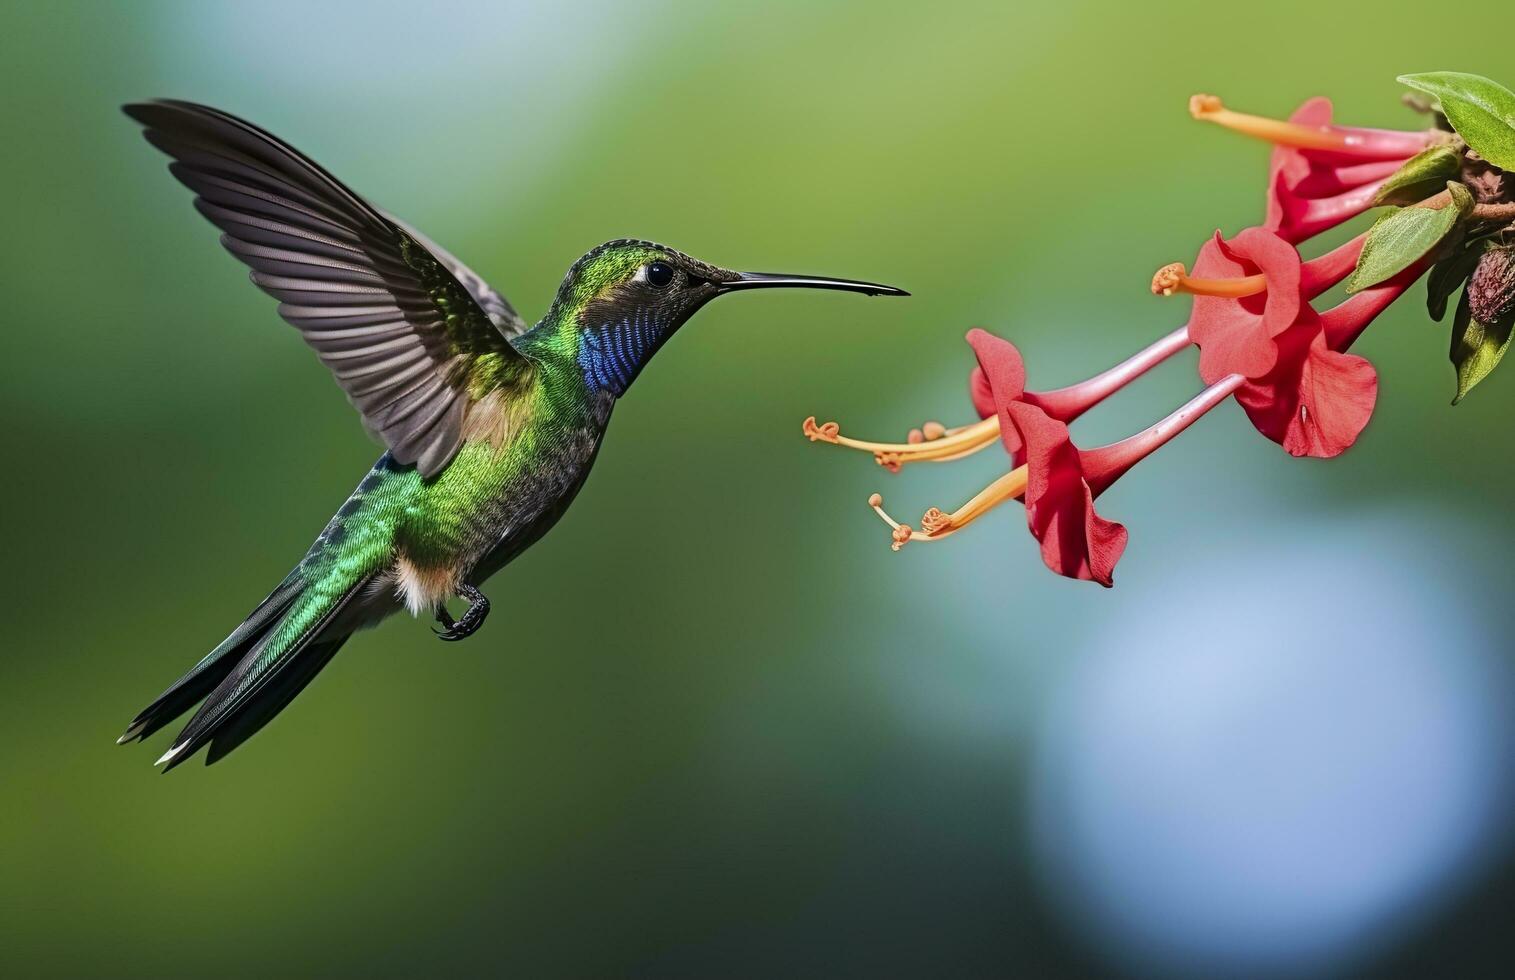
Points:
x=1491 y=289
x=1486 y=181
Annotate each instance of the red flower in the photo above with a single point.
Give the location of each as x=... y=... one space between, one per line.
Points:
x=1313 y=191
x=1252 y=317
x=1075 y=540
x=1320 y=174
x=1061 y=481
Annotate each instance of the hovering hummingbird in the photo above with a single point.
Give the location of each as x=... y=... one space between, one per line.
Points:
x=491 y=425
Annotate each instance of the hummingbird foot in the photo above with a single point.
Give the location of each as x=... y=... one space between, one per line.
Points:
x=472 y=618
x=937 y=524
x=932 y=442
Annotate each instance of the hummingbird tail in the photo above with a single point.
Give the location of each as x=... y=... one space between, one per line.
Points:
x=257 y=670
x=212 y=669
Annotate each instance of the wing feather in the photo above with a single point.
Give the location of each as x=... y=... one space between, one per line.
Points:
x=399 y=321
x=497 y=307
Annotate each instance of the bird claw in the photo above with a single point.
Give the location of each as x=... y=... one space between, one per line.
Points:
x=469 y=623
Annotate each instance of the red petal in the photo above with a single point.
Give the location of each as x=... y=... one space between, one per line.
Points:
x=1216 y=260
x=1279 y=261
x=1222 y=327
x=978 y=390
x=1075 y=540
x=1004 y=374
x=1317 y=401
x=1288 y=166
x=1235 y=336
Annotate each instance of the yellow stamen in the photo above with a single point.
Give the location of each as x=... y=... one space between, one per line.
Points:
x=938 y=525
x=1175 y=278
x=1209 y=108
x=947 y=443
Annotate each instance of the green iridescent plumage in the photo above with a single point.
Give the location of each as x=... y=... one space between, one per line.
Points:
x=484 y=360
x=491 y=427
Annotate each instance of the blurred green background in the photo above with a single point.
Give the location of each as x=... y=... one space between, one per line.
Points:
x=714 y=727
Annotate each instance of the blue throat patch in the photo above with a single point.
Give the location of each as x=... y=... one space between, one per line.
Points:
x=611 y=354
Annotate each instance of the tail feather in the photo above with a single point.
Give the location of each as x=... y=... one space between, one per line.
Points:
x=260 y=711
x=278 y=665
x=212 y=669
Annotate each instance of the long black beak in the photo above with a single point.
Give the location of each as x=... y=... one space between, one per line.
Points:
x=766 y=280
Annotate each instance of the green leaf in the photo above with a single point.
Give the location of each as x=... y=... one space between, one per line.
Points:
x=1477 y=348
x=1482 y=112
x=1449 y=274
x=1422 y=175
x=1398 y=239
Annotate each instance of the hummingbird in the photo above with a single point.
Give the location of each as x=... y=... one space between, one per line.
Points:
x=490 y=424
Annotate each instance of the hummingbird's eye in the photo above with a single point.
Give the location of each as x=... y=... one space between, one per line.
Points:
x=659 y=274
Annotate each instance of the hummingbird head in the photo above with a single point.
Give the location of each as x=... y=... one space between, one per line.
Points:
x=624 y=299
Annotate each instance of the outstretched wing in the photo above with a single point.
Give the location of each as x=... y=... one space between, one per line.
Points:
x=411 y=334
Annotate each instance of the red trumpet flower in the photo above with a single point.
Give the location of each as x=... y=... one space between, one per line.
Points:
x=1252 y=316
x=1320 y=174
x=1057 y=480
x=1075 y=540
